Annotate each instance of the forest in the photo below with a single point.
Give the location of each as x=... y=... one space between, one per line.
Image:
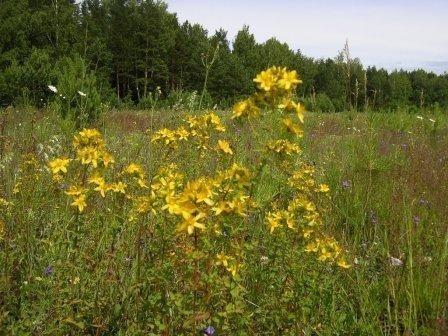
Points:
x=123 y=52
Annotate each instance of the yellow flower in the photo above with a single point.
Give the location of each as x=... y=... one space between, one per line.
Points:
x=216 y=121
x=343 y=263
x=182 y=133
x=59 y=165
x=118 y=187
x=265 y=80
x=225 y=146
x=283 y=146
x=324 y=254
x=166 y=135
x=245 y=108
x=239 y=108
x=199 y=191
x=311 y=247
x=90 y=133
x=292 y=127
x=134 y=168
x=300 y=110
x=141 y=182
x=191 y=222
x=222 y=206
x=323 y=188
x=274 y=220
x=5 y=203
x=96 y=179
x=144 y=204
x=222 y=259
x=289 y=218
x=80 y=202
x=107 y=158
x=88 y=155
x=102 y=188
x=289 y=79
x=232 y=269
x=75 y=191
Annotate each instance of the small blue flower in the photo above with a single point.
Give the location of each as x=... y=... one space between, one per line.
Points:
x=346 y=184
x=49 y=270
x=209 y=331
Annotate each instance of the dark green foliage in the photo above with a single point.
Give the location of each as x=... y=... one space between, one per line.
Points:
x=78 y=95
x=136 y=47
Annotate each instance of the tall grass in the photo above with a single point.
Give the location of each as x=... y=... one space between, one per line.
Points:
x=64 y=274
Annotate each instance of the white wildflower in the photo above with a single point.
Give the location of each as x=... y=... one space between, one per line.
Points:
x=432 y=120
x=82 y=94
x=395 y=261
x=264 y=259
x=420 y=117
x=53 y=88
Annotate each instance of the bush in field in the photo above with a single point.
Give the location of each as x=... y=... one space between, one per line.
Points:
x=77 y=93
x=182 y=244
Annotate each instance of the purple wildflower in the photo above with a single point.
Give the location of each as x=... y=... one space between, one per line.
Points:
x=346 y=184
x=416 y=219
x=425 y=202
x=209 y=331
x=49 y=270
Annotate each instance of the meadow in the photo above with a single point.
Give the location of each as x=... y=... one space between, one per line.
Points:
x=219 y=228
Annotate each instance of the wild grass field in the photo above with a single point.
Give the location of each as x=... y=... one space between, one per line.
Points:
x=342 y=231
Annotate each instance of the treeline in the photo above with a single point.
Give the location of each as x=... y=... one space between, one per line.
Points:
x=121 y=51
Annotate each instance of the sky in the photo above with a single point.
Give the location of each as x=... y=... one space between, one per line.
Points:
x=406 y=34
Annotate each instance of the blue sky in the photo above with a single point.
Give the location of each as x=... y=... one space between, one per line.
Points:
x=391 y=34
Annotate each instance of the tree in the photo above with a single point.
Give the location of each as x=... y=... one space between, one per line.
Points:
x=400 y=88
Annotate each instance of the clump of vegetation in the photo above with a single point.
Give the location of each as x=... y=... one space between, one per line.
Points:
x=222 y=222
x=182 y=245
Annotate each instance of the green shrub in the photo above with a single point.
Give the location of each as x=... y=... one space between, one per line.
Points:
x=78 y=94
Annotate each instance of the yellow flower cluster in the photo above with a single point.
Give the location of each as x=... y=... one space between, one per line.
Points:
x=79 y=195
x=59 y=165
x=228 y=262
x=303 y=178
x=204 y=197
x=136 y=174
x=91 y=153
x=283 y=147
x=197 y=128
x=328 y=249
x=276 y=91
x=277 y=86
x=164 y=186
x=246 y=108
x=90 y=148
x=277 y=79
x=302 y=215
x=4 y=203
